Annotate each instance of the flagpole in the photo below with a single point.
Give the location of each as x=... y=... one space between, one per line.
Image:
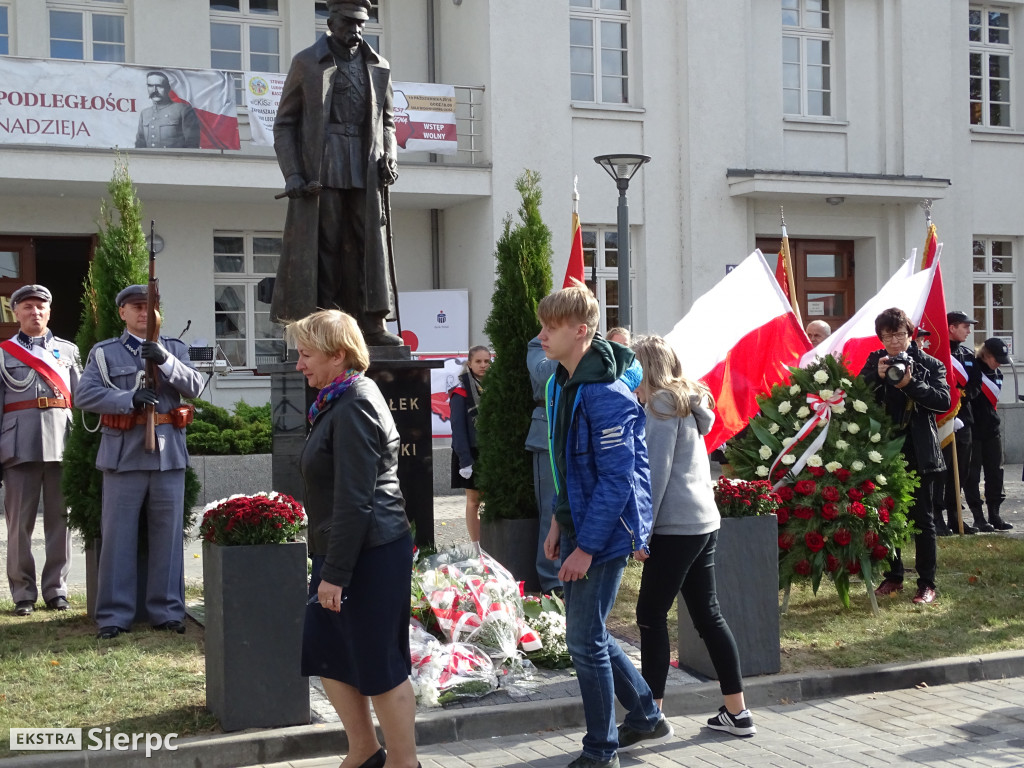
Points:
x=788 y=261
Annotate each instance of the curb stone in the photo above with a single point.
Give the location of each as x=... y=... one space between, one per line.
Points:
x=443 y=726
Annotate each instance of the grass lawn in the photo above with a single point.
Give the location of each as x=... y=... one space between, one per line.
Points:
x=54 y=673
x=981 y=586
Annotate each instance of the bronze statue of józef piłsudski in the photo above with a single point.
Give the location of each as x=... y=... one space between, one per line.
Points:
x=335 y=141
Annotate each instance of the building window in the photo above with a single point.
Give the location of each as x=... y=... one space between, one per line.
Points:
x=5 y=31
x=244 y=330
x=245 y=35
x=994 y=281
x=991 y=51
x=599 y=50
x=601 y=248
x=88 y=30
x=373 y=32
x=807 y=38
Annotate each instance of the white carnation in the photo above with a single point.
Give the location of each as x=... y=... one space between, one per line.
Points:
x=785 y=406
x=795 y=389
x=788 y=459
x=860 y=406
x=857 y=465
x=832 y=466
x=764 y=452
x=814 y=461
x=761 y=471
x=880 y=479
x=773 y=427
x=804 y=412
x=875 y=456
x=842 y=445
x=821 y=376
x=875 y=437
x=853 y=427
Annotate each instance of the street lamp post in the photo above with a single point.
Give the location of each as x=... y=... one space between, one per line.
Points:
x=622 y=168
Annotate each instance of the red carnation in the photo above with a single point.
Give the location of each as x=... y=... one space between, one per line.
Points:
x=817 y=471
x=832 y=564
x=814 y=541
x=804 y=513
x=853 y=567
x=803 y=568
x=854 y=495
x=783 y=514
x=867 y=486
x=830 y=493
x=880 y=552
x=870 y=539
x=842 y=474
x=883 y=516
x=842 y=537
x=785 y=493
x=786 y=540
x=805 y=487
x=829 y=511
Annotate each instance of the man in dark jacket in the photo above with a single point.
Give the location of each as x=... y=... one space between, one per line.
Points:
x=912 y=387
x=602 y=514
x=987 y=448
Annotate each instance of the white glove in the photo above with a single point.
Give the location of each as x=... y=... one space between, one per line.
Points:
x=957 y=423
x=466 y=471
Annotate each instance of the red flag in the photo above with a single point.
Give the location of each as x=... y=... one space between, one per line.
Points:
x=738 y=339
x=780 y=275
x=575 y=268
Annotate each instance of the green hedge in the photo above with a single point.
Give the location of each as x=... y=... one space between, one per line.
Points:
x=217 y=432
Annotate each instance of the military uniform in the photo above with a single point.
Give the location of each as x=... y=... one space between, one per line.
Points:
x=36 y=418
x=132 y=477
x=167 y=126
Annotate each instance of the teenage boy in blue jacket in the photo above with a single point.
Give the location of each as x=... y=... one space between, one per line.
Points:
x=602 y=513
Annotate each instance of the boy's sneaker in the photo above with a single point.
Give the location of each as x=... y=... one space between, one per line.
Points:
x=588 y=762
x=738 y=725
x=629 y=738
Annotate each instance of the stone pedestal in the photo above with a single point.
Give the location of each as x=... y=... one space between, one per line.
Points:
x=405 y=385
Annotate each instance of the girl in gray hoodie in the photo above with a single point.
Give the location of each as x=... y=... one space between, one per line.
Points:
x=680 y=558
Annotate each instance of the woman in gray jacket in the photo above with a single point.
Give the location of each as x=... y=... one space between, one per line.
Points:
x=680 y=558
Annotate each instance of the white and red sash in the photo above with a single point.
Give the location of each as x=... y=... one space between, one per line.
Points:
x=959 y=372
x=41 y=360
x=991 y=388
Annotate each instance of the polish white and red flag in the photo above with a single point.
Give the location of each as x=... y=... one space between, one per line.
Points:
x=739 y=338
x=211 y=94
x=856 y=339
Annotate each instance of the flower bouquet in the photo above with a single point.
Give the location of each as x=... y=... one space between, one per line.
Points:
x=546 y=616
x=263 y=518
x=745 y=498
x=443 y=673
x=829 y=450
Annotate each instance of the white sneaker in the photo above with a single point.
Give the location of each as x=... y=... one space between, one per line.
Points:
x=738 y=725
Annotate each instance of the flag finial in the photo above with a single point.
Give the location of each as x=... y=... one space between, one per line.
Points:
x=782 y=216
x=926 y=204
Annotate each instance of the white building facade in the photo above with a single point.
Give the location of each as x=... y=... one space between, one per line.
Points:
x=847 y=113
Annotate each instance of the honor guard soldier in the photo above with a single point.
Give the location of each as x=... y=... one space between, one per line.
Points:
x=112 y=385
x=38 y=375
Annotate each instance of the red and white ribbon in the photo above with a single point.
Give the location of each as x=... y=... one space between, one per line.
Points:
x=821 y=414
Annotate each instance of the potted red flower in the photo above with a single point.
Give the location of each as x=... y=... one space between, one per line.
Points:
x=254 y=580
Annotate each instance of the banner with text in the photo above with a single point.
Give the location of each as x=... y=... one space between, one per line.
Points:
x=86 y=104
x=424 y=113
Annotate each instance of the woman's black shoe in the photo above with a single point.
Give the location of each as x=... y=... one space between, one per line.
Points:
x=376 y=760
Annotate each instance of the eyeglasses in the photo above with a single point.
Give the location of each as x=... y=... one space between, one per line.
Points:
x=887 y=337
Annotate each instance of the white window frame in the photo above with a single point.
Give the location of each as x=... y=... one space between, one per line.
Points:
x=245 y=20
x=373 y=31
x=596 y=16
x=6 y=7
x=248 y=279
x=984 y=278
x=595 y=245
x=986 y=50
x=87 y=9
x=803 y=35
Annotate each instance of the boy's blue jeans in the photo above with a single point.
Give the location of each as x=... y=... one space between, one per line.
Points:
x=602 y=668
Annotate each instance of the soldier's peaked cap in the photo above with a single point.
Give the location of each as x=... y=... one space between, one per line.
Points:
x=352 y=9
x=31 y=291
x=132 y=293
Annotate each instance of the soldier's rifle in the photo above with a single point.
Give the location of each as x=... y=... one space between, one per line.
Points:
x=152 y=334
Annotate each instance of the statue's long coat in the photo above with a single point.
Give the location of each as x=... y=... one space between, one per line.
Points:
x=299 y=140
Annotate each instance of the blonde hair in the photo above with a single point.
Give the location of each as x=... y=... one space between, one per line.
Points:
x=572 y=305
x=664 y=373
x=619 y=331
x=469 y=356
x=331 y=332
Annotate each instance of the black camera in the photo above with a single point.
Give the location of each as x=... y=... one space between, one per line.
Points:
x=898 y=366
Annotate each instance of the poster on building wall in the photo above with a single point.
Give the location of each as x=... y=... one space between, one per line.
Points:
x=87 y=104
x=424 y=113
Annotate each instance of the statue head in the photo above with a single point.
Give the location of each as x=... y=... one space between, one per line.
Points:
x=346 y=19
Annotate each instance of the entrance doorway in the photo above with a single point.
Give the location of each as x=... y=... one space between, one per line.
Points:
x=62 y=264
x=823 y=274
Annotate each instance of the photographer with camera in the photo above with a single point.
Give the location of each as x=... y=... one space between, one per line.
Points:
x=912 y=387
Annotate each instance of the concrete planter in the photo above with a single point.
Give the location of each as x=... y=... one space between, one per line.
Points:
x=747 y=577
x=255 y=607
x=513 y=543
